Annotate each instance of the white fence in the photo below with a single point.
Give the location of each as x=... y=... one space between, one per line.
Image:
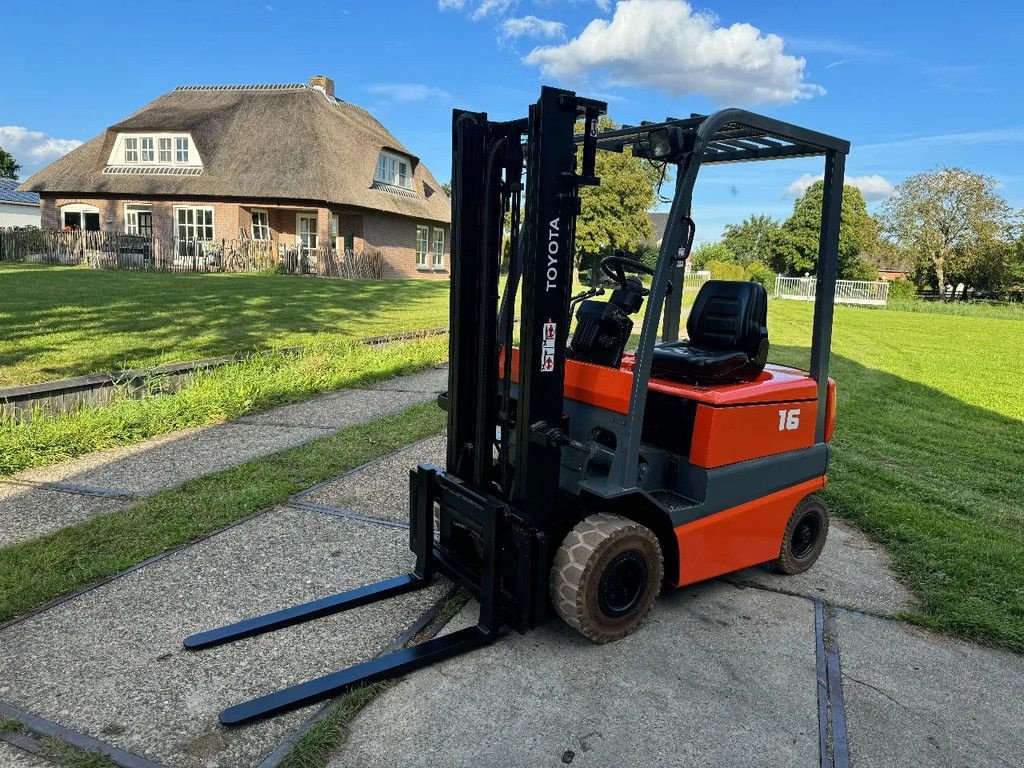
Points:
x=847 y=291
x=692 y=281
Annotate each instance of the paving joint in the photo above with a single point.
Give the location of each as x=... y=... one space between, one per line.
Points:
x=78 y=490
x=346 y=514
x=43 y=727
x=834 y=745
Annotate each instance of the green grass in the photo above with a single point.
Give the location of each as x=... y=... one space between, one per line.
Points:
x=227 y=392
x=67 y=321
x=37 y=571
x=71 y=756
x=976 y=309
x=929 y=454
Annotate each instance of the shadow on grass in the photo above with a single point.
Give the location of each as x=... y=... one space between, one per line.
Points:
x=67 y=321
x=940 y=482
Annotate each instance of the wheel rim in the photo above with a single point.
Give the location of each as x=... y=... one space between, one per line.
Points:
x=622 y=584
x=805 y=536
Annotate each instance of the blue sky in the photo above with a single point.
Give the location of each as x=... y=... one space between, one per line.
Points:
x=913 y=85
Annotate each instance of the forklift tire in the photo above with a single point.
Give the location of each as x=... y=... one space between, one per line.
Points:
x=804 y=537
x=606 y=575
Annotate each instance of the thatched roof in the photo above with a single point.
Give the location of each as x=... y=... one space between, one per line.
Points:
x=282 y=142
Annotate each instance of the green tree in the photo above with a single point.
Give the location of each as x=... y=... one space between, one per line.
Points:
x=950 y=220
x=615 y=212
x=705 y=253
x=752 y=240
x=447 y=187
x=8 y=166
x=796 y=251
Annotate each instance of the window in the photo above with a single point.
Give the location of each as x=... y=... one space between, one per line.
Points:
x=165 y=151
x=260 y=225
x=194 y=224
x=147 y=149
x=138 y=220
x=79 y=216
x=422 y=245
x=131 y=150
x=438 y=249
x=394 y=169
x=306 y=227
x=181 y=149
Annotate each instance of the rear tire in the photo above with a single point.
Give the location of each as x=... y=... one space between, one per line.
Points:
x=606 y=575
x=804 y=537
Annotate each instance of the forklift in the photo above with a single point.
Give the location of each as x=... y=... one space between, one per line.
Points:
x=580 y=479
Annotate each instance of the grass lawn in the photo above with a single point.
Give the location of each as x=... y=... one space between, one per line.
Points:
x=929 y=454
x=67 y=321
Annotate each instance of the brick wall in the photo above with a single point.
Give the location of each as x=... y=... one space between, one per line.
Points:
x=395 y=238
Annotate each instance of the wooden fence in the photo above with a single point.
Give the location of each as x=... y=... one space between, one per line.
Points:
x=114 y=250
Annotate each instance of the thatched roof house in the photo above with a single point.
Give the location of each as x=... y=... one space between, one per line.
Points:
x=288 y=163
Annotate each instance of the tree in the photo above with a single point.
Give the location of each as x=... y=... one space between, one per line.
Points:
x=8 y=166
x=796 y=250
x=614 y=213
x=705 y=253
x=752 y=240
x=447 y=187
x=949 y=220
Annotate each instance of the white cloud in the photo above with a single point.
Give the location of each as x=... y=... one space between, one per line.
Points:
x=873 y=187
x=451 y=5
x=531 y=26
x=1014 y=135
x=665 y=44
x=408 y=91
x=33 y=149
x=488 y=7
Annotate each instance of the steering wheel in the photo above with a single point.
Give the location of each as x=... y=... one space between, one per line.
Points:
x=615 y=268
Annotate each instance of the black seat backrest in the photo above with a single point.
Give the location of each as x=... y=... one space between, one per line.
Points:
x=729 y=315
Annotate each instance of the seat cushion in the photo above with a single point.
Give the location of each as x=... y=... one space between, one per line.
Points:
x=680 y=360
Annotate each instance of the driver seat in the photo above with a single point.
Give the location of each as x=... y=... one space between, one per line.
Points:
x=728 y=330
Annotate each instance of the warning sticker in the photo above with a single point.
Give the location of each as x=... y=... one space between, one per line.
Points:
x=547 y=350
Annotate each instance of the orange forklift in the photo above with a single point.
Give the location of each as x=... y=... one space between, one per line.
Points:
x=580 y=479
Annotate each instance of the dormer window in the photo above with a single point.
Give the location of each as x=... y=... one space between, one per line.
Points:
x=394 y=170
x=156 y=149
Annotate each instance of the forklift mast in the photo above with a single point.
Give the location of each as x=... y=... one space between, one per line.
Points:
x=487 y=166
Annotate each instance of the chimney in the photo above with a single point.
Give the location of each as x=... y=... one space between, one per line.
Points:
x=323 y=84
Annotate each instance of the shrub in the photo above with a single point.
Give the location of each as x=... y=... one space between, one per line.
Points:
x=706 y=253
x=860 y=270
x=761 y=274
x=725 y=270
x=901 y=290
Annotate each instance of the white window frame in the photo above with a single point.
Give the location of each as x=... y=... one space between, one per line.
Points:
x=195 y=226
x=422 y=246
x=147 y=151
x=81 y=209
x=394 y=169
x=131 y=150
x=437 y=238
x=260 y=229
x=131 y=217
x=165 y=152
x=181 y=149
x=306 y=244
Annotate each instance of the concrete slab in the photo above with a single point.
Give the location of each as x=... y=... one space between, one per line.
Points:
x=432 y=381
x=12 y=757
x=172 y=459
x=719 y=675
x=913 y=698
x=381 y=489
x=852 y=571
x=27 y=512
x=338 y=409
x=109 y=663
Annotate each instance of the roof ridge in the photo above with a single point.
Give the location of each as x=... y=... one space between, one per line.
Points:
x=258 y=87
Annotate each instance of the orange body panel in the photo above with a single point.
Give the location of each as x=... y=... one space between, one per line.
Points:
x=726 y=435
x=737 y=538
x=609 y=387
x=830 y=412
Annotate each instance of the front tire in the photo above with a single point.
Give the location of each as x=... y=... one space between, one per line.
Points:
x=804 y=537
x=606 y=575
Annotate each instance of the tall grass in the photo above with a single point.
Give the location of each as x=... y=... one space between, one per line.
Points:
x=220 y=394
x=959 y=308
